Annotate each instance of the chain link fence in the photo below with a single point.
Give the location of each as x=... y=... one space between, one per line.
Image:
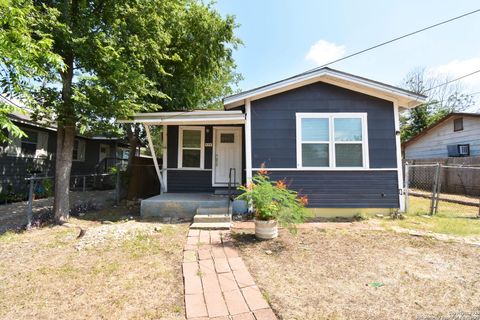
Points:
x=453 y=190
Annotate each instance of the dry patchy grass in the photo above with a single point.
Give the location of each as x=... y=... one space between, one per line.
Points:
x=44 y=274
x=333 y=274
x=452 y=218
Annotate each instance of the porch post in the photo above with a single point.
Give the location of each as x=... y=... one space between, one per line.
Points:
x=248 y=141
x=155 y=162
x=164 y=156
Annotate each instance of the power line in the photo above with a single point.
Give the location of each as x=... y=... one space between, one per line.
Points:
x=393 y=40
x=453 y=80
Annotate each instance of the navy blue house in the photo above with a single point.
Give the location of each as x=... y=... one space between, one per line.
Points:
x=333 y=136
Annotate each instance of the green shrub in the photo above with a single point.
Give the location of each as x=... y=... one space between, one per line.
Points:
x=272 y=200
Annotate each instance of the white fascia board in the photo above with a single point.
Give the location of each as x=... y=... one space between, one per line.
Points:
x=172 y=119
x=186 y=113
x=330 y=76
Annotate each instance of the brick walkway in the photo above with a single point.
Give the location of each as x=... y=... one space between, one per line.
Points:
x=217 y=282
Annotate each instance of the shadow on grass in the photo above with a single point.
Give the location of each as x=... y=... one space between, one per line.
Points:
x=247 y=240
x=113 y=214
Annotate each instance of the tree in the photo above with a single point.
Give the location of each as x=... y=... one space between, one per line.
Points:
x=202 y=72
x=122 y=57
x=25 y=57
x=442 y=98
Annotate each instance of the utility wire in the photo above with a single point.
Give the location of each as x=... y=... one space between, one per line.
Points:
x=453 y=80
x=393 y=40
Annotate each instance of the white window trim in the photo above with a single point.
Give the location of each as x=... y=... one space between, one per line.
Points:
x=331 y=142
x=180 y=146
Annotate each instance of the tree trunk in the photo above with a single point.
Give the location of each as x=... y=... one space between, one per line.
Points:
x=132 y=136
x=65 y=142
x=63 y=166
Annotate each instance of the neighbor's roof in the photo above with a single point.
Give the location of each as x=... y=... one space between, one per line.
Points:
x=439 y=122
x=26 y=118
x=405 y=98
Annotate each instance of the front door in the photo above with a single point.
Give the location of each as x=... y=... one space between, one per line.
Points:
x=227 y=154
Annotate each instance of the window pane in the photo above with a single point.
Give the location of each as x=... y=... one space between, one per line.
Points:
x=458 y=124
x=32 y=136
x=348 y=129
x=227 y=138
x=75 y=150
x=314 y=129
x=28 y=148
x=348 y=155
x=315 y=155
x=191 y=138
x=191 y=159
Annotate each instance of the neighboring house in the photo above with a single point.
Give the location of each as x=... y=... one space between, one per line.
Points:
x=35 y=154
x=455 y=135
x=331 y=135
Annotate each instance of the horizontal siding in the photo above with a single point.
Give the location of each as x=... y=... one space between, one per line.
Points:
x=189 y=181
x=344 y=189
x=274 y=123
x=193 y=180
x=434 y=143
x=14 y=170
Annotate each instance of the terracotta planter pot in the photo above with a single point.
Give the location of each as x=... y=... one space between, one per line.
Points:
x=266 y=229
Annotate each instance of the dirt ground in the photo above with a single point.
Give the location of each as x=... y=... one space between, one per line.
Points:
x=363 y=274
x=121 y=270
x=14 y=215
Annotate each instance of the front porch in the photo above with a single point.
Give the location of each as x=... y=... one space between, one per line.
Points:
x=182 y=205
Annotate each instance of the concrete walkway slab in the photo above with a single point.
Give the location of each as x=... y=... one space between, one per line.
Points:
x=217 y=282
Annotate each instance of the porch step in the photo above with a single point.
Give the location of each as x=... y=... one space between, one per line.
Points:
x=224 y=191
x=211 y=225
x=212 y=211
x=211 y=218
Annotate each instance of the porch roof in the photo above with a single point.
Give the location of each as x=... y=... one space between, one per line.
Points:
x=196 y=117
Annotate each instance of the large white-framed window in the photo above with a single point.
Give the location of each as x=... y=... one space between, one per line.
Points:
x=332 y=141
x=191 y=147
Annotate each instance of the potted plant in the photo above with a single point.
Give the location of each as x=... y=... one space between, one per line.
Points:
x=273 y=204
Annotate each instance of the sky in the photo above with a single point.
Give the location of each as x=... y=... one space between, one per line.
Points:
x=286 y=37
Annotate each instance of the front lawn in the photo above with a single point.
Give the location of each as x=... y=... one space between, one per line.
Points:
x=122 y=270
x=452 y=218
x=361 y=274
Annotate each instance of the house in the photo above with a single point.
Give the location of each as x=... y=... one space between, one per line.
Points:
x=331 y=135
x=455 y=135
x=35 y=154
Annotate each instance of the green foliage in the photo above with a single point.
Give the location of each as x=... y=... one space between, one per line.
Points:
x=133 y=56
x=26 y=58
x=274 y=201
x=441 y=100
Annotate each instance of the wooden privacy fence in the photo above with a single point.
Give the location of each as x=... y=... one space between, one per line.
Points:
x=143 y=180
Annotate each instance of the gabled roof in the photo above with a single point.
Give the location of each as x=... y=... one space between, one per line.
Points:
x=405 y=98
x=438 y=123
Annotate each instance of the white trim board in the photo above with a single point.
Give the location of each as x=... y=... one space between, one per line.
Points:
x=238 y=143
x=401 y=191
x=325 y=169
x=248 y=141
x=405 y=98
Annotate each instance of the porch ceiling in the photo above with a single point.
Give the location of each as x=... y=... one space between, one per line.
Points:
x=188 y=117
